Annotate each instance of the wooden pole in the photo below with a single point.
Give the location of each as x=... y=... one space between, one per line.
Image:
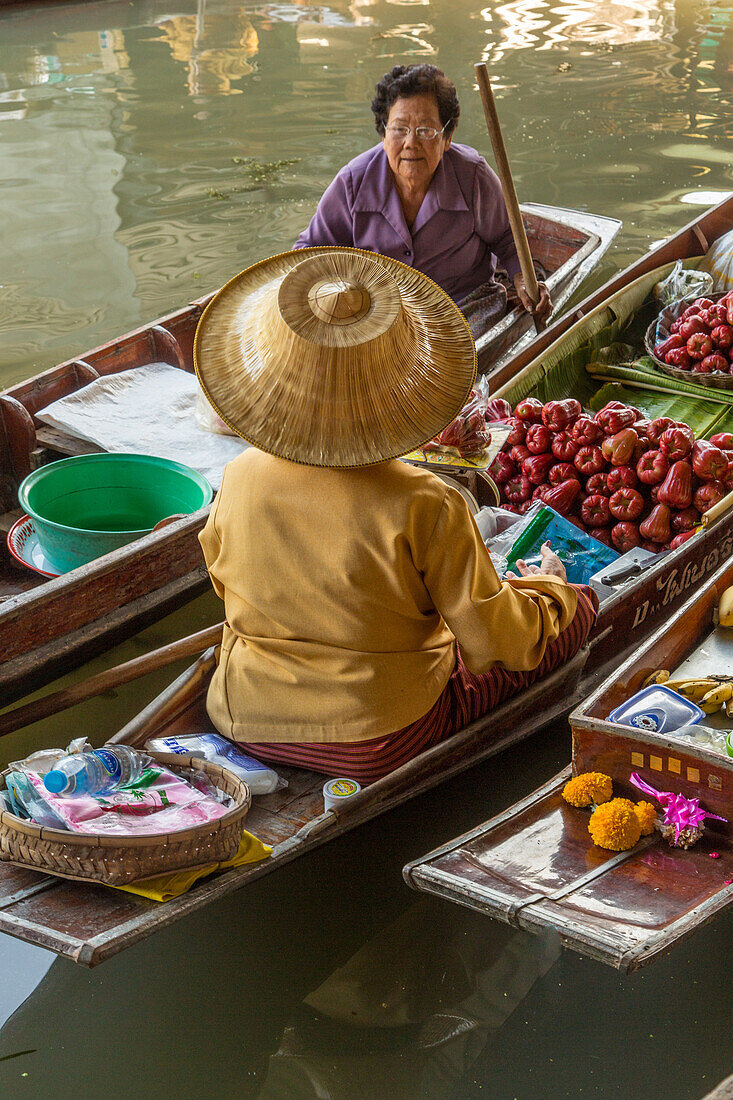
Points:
x=507 y=183
x=112 y=677
x=717 y=510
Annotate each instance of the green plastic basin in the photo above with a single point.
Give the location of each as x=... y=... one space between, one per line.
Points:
x=84 y=507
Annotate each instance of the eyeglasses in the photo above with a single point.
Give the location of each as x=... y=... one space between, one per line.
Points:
x=422 y=133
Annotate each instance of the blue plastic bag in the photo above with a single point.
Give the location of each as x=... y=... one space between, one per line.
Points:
x=581 y=554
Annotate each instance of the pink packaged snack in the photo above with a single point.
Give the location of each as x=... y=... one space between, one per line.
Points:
x=160 y=802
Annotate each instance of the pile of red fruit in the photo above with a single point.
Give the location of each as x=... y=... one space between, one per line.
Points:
x=626 y=480
x=701 y=339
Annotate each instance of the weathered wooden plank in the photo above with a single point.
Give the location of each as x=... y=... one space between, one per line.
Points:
x=15 y=881
x=61 y=443
x=22 y=674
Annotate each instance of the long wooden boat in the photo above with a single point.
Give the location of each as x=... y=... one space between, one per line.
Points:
x=535 y=867
x=47 y=626
x=89 y=923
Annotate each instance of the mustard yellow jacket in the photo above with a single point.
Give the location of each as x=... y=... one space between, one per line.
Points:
x=345 y=593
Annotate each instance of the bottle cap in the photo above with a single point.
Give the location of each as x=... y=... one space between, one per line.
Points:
x=338 y=791
x=55 y=781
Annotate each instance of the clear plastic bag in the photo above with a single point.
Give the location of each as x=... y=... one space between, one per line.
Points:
x=44 y=760
x=30 y=803
x=682 y=282
x=207 y=419
x=581 y=554
x=718 y=262
x=468 y=434
x=494 y=524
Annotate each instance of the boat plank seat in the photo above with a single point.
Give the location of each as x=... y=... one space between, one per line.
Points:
x=154 y=345
x=551 y=244
x=53 y=442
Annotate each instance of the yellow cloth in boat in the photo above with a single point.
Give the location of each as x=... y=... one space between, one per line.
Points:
x=345 y=592
x=166 y=887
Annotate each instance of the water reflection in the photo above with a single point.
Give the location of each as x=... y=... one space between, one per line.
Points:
x=216 y=45
x=405 y=40
x=410 y=1012
x=139 y=114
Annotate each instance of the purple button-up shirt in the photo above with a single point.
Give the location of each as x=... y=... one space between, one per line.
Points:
x=459 y=232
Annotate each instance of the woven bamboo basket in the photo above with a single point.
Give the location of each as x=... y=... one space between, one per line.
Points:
x=660 y=326
x=116 y=861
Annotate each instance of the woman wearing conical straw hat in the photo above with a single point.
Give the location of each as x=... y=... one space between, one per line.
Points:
x=365 y=620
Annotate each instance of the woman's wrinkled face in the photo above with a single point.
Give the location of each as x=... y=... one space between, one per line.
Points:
x=412 y=160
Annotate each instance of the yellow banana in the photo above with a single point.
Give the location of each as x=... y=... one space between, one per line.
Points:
x=660 y=676
x=713 y=700
x=693 y=689
x=729 y=708
x=725 y=608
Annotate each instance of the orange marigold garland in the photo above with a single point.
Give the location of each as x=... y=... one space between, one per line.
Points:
x=615 y=825
x=588 y=788
x=647 y=815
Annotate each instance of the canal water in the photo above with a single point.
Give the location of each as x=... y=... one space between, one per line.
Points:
x=148 y=152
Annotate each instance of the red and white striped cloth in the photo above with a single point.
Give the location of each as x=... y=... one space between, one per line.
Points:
x=464 y=699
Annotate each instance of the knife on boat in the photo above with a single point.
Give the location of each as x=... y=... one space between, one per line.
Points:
x=624 y=571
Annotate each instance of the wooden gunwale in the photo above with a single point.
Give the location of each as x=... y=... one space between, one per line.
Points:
x=689 y=241
x=594 y=927
x=46 y=627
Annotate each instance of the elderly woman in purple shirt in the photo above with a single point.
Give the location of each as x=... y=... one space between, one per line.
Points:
x=425 y=200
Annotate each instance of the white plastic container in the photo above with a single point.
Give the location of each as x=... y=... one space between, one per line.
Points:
x=337 y=792
x=212 y=746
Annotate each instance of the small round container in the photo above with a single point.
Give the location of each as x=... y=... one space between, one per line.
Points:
x=87 y=506
x=337 y=792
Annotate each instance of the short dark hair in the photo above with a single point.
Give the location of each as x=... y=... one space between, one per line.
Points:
x=408 y=80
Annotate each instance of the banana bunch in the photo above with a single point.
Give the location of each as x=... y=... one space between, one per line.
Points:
x=711 y=693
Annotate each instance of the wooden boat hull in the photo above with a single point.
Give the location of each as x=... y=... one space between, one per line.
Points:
x=47 y=627
x=91 y=923
x=534 y=865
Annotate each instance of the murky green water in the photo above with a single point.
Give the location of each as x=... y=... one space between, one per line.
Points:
x=147 y=153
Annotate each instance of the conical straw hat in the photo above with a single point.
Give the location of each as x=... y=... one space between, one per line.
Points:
x=334 y=357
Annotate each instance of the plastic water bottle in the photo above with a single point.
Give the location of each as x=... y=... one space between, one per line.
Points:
x=95 y=772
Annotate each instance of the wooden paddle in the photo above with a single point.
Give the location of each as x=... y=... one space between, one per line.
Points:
x=507 y=183
x=111 y=678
